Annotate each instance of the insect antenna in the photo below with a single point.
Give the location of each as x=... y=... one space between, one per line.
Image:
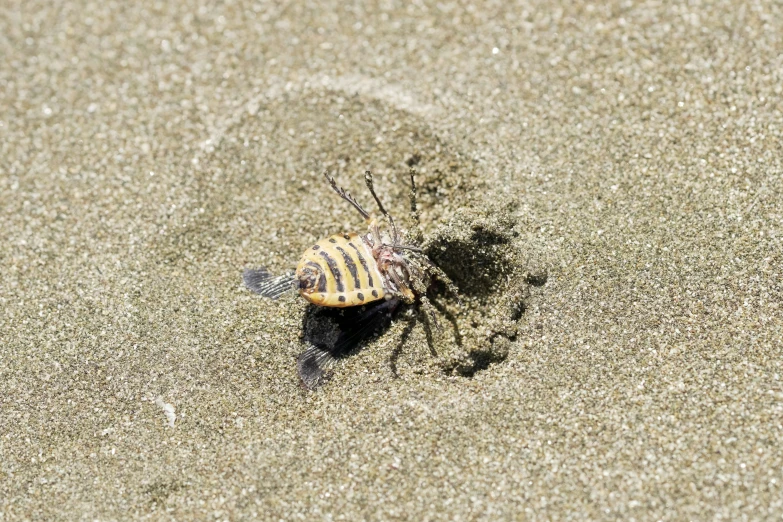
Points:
x=368 y=181
x=347 y=196
x=418 y=236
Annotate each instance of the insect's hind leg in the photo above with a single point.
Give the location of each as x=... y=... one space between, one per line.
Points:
x=347 y=197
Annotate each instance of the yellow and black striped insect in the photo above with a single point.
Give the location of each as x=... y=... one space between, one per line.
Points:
x=340 y=271
x=375 y=271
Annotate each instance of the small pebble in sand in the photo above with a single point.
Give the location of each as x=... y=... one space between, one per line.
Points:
x=168 y=410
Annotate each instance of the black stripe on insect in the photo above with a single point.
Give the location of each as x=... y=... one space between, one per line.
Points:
x=389 y=274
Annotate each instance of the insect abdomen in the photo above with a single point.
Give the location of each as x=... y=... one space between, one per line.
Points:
x=339 y=271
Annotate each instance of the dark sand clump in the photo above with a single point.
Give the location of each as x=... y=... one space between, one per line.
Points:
x=603 y=182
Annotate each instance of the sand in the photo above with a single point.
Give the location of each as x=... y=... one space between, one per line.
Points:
x=602 y=181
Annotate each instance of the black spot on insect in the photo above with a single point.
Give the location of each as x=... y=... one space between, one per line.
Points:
x=316 y=247
x=341 y=298
x=375 y=293
x=346 y=236
x=333 y=240
x=360 y=296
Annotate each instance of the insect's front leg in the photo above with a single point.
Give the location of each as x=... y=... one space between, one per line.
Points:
x=404 y=293
x=438 y=274
x=429 y=310
x=419 y=281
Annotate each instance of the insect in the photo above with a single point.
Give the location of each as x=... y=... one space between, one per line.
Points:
x=376 y=271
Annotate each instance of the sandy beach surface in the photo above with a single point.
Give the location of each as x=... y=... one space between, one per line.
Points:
x=603 y=181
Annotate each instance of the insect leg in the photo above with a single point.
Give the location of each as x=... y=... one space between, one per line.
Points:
x=427 y=307
x=410 y=247
x=402 y=288
x=438 y=273
x=347 y=197
x=417 y=236
x=415 y=279
x=368 y=181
